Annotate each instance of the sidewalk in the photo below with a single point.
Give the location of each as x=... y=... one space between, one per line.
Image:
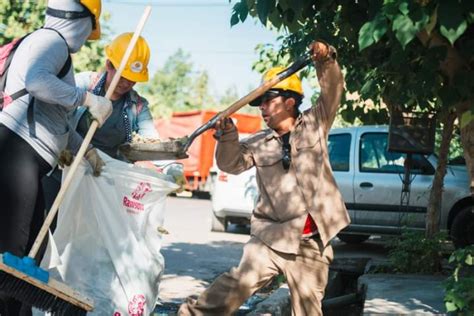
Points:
x=386 y=294
x=391 y=294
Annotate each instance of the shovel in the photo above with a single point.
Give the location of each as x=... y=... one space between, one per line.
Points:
x=177 y=149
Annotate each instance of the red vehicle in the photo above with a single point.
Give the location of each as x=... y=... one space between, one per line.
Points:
x=197 y=168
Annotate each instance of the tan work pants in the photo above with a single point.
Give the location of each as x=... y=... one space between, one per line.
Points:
x=306 y=274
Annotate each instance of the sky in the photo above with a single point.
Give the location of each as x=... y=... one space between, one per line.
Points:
x=202 y=29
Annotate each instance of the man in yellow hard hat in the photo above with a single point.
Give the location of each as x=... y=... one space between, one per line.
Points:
x=300 y=208
x=130 y=113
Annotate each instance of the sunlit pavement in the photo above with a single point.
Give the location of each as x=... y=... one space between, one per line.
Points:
x=195 y=256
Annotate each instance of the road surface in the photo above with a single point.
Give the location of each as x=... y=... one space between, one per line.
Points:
x=195 y=256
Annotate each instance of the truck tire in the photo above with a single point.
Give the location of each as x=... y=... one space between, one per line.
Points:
x=353 y=239
x=462 y=229
x=218 y=224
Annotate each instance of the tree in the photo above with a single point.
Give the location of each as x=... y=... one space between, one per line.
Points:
x=400 y=54
x=177 y=87
x=18 y=18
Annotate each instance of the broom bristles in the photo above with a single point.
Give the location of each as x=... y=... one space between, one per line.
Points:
x=31 y=295
x=53 y=296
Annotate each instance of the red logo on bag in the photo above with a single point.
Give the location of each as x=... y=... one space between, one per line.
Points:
x=133 y=205
x=142 y=189
x=136 y=307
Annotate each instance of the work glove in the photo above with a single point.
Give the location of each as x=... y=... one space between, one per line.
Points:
x=175 y=171
x=99 y=107
x=92 y=156
x=65 y=158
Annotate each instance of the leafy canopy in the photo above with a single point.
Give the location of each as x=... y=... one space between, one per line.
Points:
x=18 y=18
x=388 y=48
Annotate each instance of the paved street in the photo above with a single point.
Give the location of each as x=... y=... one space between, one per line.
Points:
x=194 y=255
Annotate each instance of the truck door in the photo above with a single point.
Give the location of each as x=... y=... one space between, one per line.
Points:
x=340 y=145
x=378 y=186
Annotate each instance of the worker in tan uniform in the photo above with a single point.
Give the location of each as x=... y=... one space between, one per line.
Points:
x=300 y=208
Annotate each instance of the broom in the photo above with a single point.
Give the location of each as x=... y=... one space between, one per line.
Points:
x=21 y=278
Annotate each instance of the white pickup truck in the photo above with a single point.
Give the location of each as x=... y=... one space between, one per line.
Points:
x=370 y=180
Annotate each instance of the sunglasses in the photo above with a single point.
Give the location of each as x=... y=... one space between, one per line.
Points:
x=286 y=156
x=267 y=96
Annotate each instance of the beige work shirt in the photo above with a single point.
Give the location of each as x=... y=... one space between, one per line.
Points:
x=287 y=196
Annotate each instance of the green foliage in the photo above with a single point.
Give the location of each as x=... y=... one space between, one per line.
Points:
x=371 y=32
x=380 y=47
x=18 y=18
x=177 y=87
x=455 y=154
x=412 y=252
x=459 y=288
x=452 y=19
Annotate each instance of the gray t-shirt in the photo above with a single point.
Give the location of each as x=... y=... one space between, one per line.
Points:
x=35 y=65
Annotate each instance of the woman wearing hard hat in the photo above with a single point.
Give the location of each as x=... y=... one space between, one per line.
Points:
x=130 y=113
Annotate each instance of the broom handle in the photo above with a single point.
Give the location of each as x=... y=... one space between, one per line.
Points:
x=87 y=139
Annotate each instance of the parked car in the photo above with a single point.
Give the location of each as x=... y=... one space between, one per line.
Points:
x=370 y=180
x=233 y=198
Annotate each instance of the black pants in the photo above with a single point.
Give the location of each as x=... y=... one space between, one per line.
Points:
x=22 y=209
x=51 y=185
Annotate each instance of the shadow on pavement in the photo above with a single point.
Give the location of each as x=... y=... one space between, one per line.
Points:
x=202 y=261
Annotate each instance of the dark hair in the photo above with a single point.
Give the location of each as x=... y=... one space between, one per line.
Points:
x=296 y=96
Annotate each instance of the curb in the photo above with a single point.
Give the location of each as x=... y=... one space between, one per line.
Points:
x=277 y=304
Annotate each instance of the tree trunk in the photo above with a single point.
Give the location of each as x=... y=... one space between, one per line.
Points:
x=434 y=203
x=449 y=67
x=466 y=121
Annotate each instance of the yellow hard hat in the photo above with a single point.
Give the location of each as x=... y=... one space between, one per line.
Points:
x=95 y=7
x=292 y=83
x=136 y=69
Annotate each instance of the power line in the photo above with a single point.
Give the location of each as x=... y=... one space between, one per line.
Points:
x=218 y=52
x=169 y=4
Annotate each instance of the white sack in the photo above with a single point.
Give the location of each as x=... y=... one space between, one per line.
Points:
x=107 y=237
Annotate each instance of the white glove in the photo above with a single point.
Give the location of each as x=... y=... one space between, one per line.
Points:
x=99 y=107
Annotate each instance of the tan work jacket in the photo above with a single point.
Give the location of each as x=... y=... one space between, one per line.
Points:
x=286 y=197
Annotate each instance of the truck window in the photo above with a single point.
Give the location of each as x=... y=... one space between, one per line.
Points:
x=339 y=146
x=374 y=157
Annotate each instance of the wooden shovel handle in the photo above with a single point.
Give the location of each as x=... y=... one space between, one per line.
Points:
x=87 y=139
x=267 y=85
x=264 y=87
